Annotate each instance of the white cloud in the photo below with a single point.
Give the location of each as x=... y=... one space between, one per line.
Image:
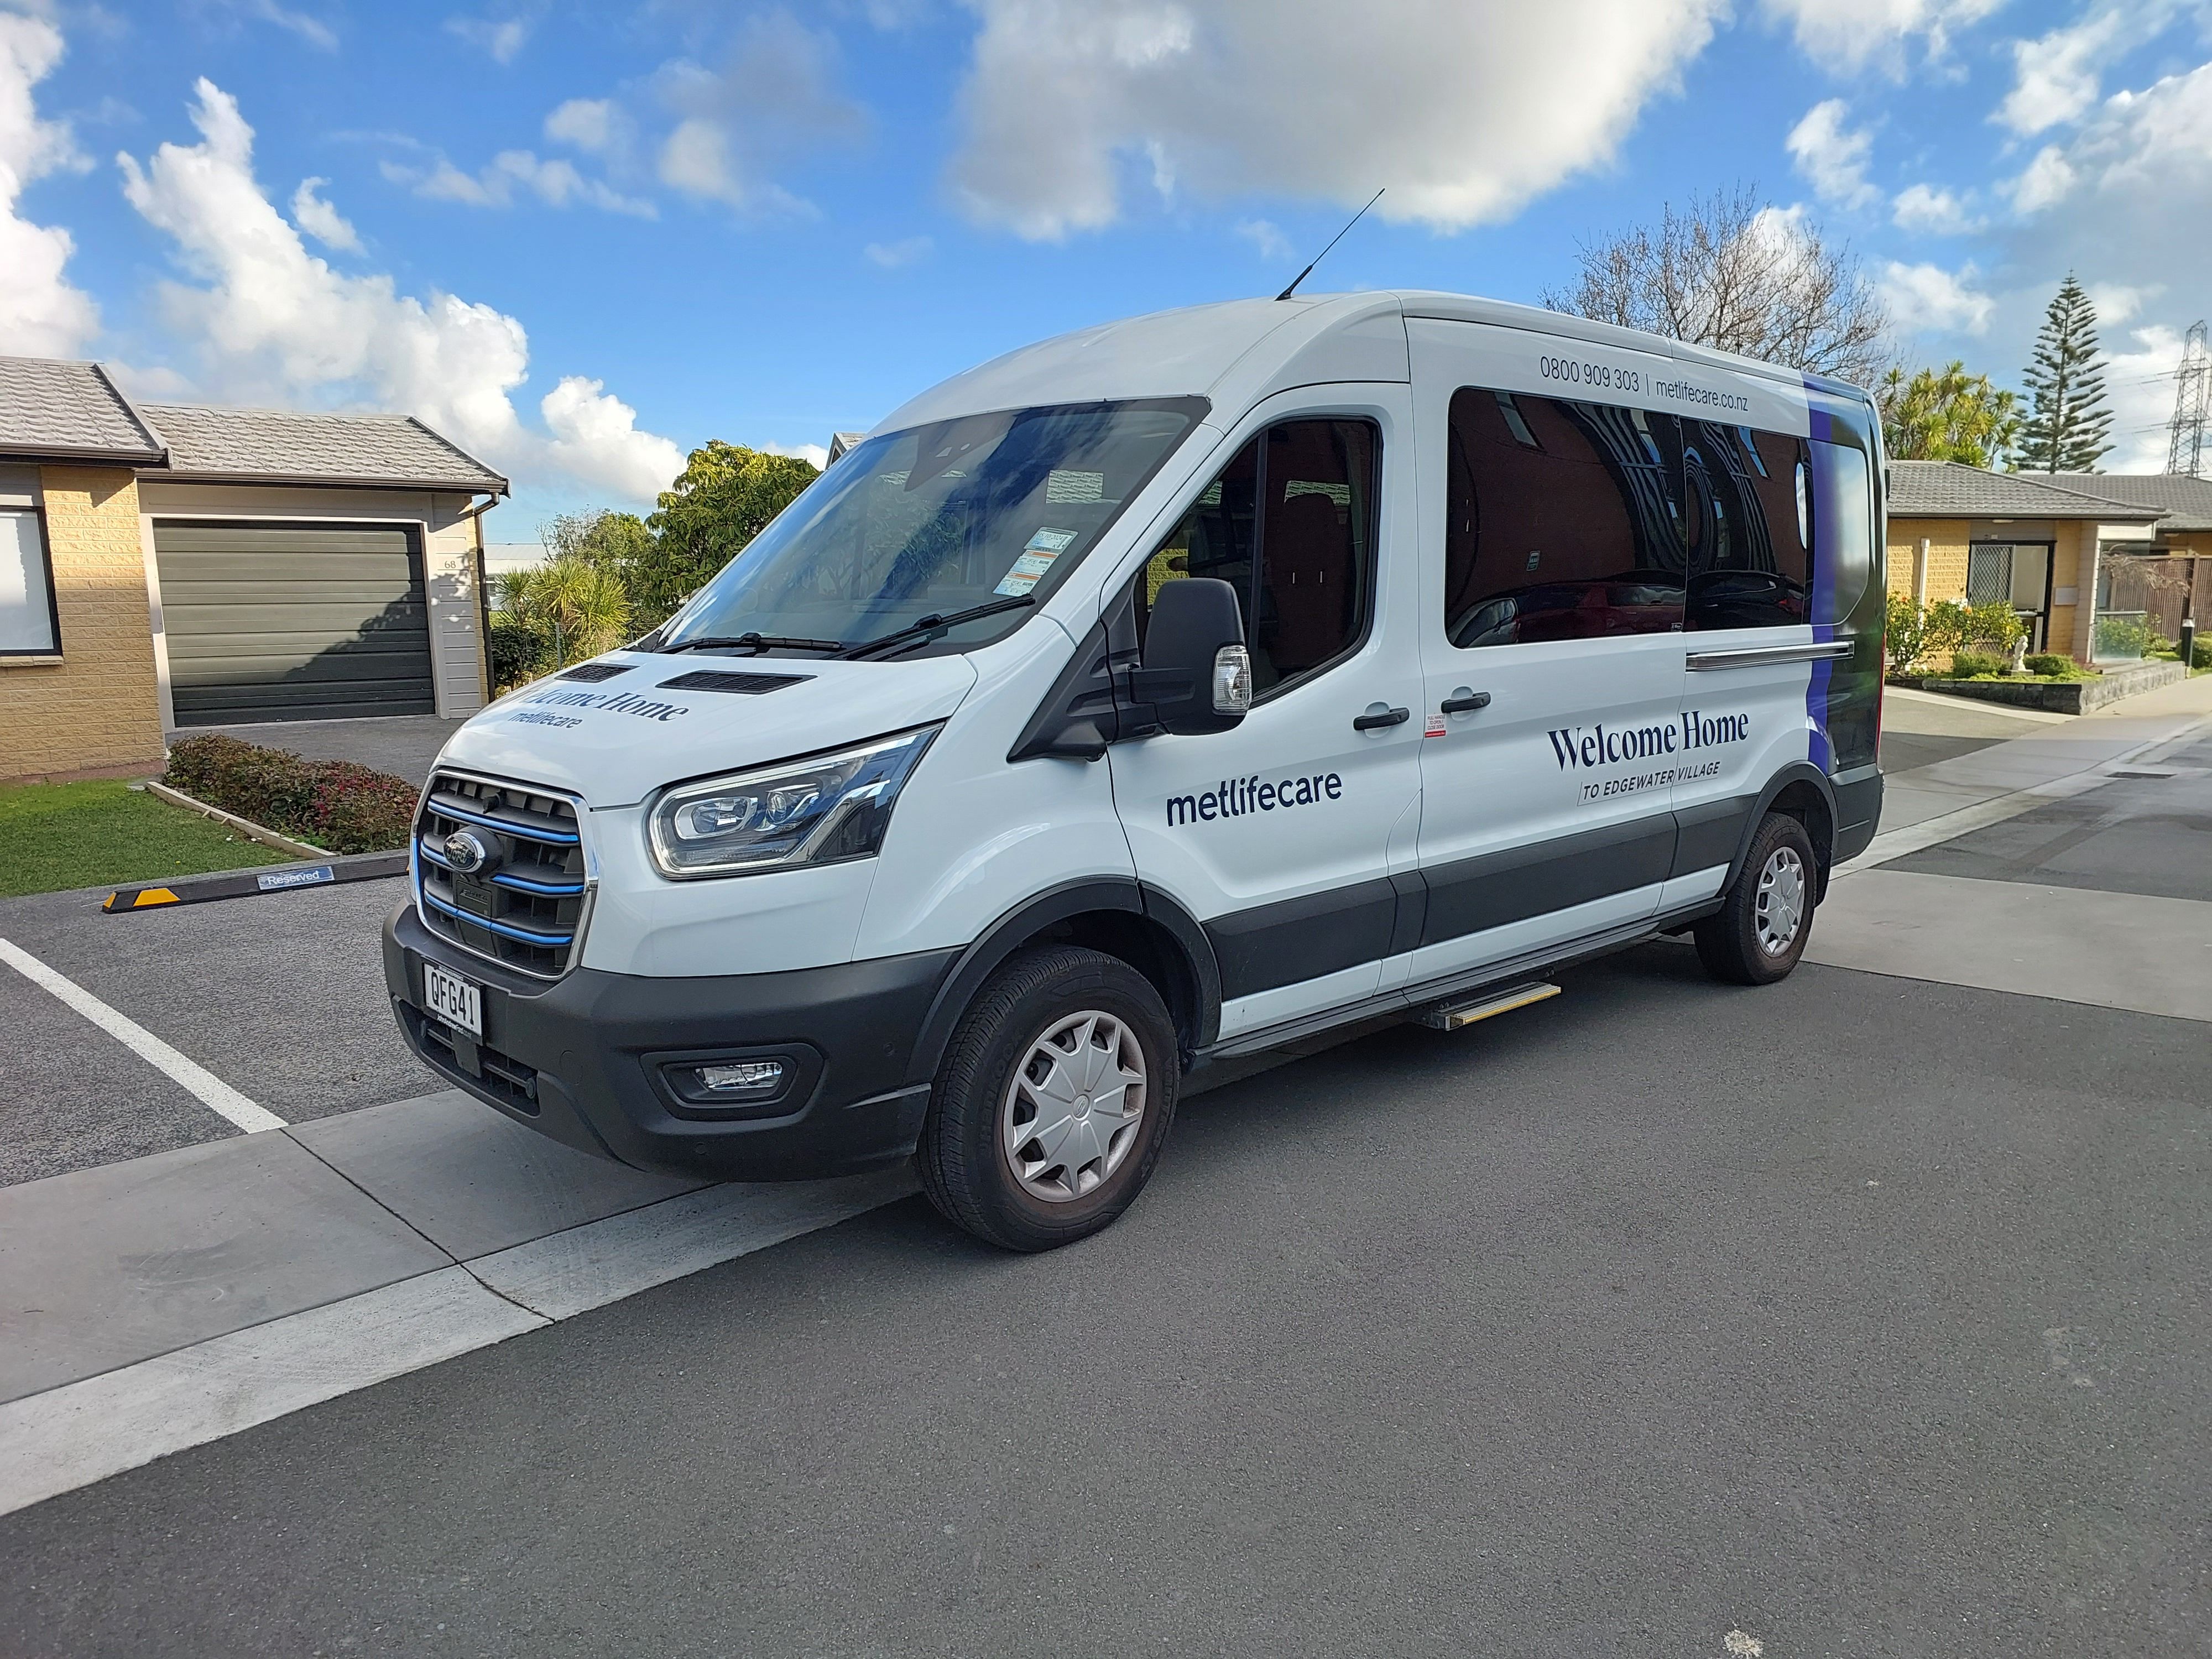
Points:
x=315 y=216
x=2045 y=180
x=587 y=124
x=554 y=182
x=1927 y=299
x=1932 y=209
x=2139 y=389
x=1847 y=38
x=2055 y=76
x=595 y=438
x=1832 y=157
x=891 y=255
x=2116 y=302
x=271 y=322
x=2143 y=155
x=1266 y=237
x=816 y=454
x=772 y=98
x=1441 y=100
x=502 y=36
x=312 y=30
x=42 y=314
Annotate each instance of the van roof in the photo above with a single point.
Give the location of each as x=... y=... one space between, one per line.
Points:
x=1244 y=349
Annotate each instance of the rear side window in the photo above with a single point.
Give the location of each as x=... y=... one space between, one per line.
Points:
x=1744 y=521
x=1843 y=517
x=1563 y=522
x=1289 y=523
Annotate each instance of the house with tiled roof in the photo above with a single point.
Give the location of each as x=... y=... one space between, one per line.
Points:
x=2049 y=546
x=165 y=566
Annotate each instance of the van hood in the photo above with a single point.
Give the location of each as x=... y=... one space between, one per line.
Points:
x=641 y=721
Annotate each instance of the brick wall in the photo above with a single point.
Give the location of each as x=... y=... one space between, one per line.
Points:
x=96 y=711
x=1947 y=556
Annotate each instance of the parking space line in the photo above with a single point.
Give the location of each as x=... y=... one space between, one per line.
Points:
x=186 y=1073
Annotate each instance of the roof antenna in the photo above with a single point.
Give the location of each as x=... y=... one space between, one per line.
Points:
x=1333 y=241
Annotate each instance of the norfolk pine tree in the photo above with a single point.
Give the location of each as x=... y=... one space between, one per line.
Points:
x=2069 y=430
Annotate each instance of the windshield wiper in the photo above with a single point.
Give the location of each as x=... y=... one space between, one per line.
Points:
x=756 y=643
x=932 y=625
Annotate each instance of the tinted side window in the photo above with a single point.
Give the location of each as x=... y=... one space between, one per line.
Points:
x=1745 y=512
x=1843 y=513
x=1562 y=520
x=1289 y=523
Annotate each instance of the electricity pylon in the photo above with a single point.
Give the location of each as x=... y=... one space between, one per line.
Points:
x=2192 y=406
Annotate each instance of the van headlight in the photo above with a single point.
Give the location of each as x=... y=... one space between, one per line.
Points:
x=820 y=811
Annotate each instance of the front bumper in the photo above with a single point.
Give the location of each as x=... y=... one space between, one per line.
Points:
x=581 y=1058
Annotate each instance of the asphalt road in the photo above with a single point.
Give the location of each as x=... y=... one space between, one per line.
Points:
x=2145 y=833
x=1855 y=1315
x=280 y=995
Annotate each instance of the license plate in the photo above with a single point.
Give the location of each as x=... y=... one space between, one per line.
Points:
x=449 y=997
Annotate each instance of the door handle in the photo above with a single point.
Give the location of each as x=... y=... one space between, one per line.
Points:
x=1382 y=718
x=1466 y=705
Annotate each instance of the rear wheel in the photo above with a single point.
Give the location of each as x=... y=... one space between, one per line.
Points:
x=1053 y=1101
x=1760 y=932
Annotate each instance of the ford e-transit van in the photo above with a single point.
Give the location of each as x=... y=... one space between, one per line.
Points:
x=1161 y=693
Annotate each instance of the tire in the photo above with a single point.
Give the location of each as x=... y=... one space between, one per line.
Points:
x=1102 y=1020
x=1738 y=943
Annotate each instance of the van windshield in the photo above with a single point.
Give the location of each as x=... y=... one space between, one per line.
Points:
x=959 y=515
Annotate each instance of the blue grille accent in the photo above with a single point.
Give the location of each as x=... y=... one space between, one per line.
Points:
x=505 y=930
x=530 y=832
x=504 y=878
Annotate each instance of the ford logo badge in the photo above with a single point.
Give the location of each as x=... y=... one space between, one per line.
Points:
x=466 y=852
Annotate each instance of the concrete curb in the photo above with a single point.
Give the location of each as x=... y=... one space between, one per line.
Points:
x=298 y=849
x=353 y=1249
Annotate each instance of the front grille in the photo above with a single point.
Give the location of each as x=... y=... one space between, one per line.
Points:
x=526 y=908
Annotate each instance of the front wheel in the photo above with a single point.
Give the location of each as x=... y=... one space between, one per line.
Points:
x=1760 y=932
x=1053 y=1101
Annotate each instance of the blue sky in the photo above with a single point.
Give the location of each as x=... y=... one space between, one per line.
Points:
x=582 y=238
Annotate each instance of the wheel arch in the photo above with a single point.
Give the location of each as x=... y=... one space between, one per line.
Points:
x=1803 y=792
x=1121 y=917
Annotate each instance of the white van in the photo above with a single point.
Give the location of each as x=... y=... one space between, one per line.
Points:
x=1162 y=693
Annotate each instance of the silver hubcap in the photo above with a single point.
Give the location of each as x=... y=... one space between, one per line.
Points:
x=1073 y=1110
x=1781 y=907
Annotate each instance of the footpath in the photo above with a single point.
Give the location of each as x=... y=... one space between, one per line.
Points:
x=2023 y=866
x=159 y=1303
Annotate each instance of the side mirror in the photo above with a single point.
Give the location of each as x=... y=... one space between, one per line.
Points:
x=1196 y=674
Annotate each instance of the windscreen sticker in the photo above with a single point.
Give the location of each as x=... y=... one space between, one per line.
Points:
x=1036 y=559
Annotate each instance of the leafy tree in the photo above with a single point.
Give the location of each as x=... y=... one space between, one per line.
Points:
x=724 y=497
x=1947 y=415
x=2070 y=431
x=1730 y=271
x=613 y=540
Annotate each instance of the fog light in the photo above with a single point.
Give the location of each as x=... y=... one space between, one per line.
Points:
x=743 y=1078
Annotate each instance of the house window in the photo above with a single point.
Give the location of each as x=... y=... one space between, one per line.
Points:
x=27 y=624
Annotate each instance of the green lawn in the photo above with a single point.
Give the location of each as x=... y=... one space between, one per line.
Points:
x=57 y=836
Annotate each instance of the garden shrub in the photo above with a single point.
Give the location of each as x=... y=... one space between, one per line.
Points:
x=2200 y=652
x=334 y=804
x=519 y=652
x=1968 y=665
x=1904 y=633
x=2122 y=636
x=2051 y=665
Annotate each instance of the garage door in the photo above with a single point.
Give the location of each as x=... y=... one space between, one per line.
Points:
x=293 y=622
